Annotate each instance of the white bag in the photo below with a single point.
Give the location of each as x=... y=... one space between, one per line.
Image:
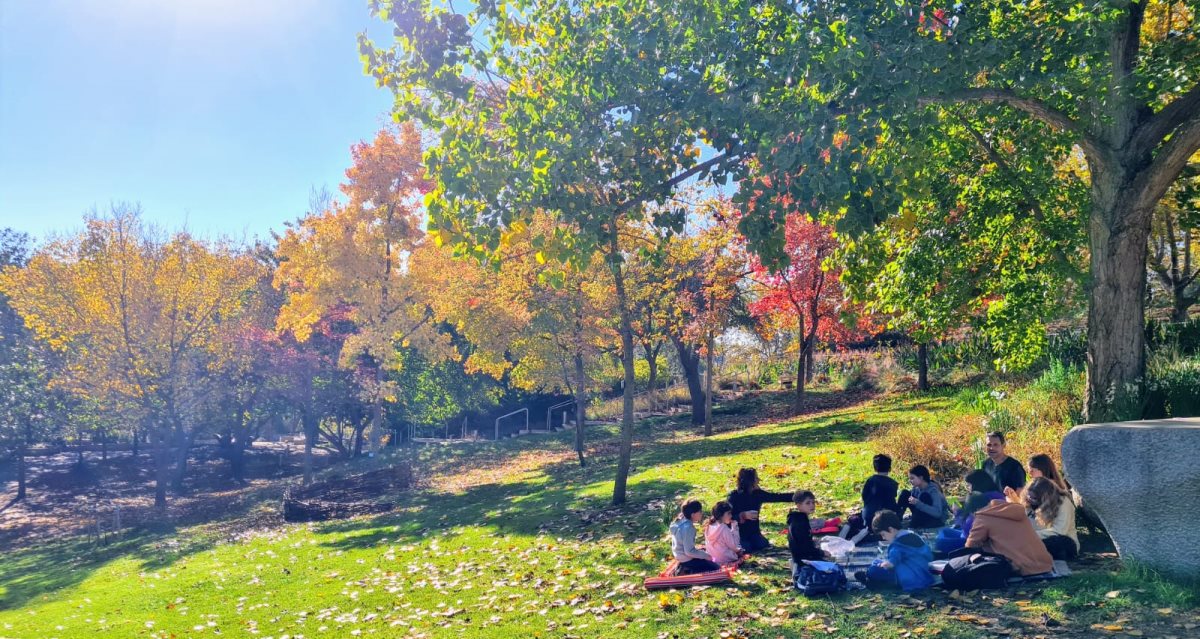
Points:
x=836 y=546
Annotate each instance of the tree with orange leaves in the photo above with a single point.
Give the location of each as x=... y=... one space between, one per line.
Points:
x=357 y=253
x=805 y=295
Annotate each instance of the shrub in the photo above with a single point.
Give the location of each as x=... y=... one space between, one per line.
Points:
x=945 y=446
x=1182 y=338
x=1173 y=387
x=1033 y=418
x=853 y=377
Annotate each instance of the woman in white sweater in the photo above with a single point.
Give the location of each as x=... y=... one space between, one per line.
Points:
x=1053 y=515
x=721 y=535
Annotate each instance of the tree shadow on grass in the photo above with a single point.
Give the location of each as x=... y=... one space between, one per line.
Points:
x=30 y=573
x=562 y=500
x=525 y=509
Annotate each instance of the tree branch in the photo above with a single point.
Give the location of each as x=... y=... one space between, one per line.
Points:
x=1032 y=106
x=1031 y=203
x=732 y=154
x=1170 y=161
x=1170 y=117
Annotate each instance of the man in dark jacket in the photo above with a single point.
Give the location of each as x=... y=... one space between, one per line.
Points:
x=1006 y=471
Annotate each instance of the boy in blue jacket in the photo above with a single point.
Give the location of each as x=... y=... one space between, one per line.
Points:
x=907 y=564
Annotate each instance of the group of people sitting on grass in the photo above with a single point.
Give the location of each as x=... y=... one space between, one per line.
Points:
x=1029 y=524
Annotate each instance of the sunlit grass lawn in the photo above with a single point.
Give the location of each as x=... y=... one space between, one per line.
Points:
x=527 y=546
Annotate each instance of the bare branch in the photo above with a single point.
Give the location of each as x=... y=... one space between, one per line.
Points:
x=730 y=155
x=1032 y=106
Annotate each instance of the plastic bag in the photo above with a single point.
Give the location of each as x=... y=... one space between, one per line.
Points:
x=836 y=546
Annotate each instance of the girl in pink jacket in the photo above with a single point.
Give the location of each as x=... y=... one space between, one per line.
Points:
x=721 y=535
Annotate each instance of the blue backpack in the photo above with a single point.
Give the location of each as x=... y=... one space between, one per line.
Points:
x=948 y=540
x=819 y=578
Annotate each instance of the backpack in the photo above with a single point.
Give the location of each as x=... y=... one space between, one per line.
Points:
x=976 y=571
x=820 y=577
x=948 y=540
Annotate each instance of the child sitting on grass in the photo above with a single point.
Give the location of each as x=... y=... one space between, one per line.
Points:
x=721 y=537
x=691 y=559
x=879 y=491
x=926 y=501
x=799 y=531
x=907 y=564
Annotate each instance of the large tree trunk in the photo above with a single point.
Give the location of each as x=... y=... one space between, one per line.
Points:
x=1116 y=319
x=923 y=366
x=708 y=386
x=689 y=360
x=136 y=436
x=627 y=358
x=580 y=406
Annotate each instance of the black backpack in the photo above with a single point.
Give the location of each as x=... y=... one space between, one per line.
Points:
x=819 y=578
x=976 y=571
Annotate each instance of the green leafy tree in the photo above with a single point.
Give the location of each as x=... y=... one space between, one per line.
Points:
x=547 y=97
x=847 y=82
x=993 y=239
x=483 y=82
x=26 y=401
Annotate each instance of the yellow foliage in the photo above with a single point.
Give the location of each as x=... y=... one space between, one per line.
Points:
x=131 y=311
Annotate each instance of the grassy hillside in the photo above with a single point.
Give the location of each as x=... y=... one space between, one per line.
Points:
x=514 y=539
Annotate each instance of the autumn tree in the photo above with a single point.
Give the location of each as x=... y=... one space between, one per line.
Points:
x=805 y=295
x=244 y=376
x=134 y=315
x=356 y=255
x=481 y=82
x=528 y=321
x=704 y=274
x=821 y=92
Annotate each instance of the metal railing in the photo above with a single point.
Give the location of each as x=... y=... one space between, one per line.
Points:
x=550 y=411
x=515 y=412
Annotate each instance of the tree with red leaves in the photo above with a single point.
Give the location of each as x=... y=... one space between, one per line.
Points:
x=803 y=296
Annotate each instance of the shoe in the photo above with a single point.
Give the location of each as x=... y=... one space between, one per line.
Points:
x=860 y=576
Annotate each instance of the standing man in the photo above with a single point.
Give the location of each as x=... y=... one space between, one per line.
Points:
x=1004 y=470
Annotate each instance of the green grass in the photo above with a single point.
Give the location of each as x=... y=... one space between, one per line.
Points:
x=527 y=546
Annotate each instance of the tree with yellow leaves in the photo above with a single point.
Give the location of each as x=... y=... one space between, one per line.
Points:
x=357 y=254
x=136 y=316
x=531 y=322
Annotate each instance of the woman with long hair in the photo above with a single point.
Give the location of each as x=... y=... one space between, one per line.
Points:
x=1053 y=515
x=747 y=500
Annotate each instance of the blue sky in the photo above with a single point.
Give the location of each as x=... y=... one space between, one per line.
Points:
x=217 y=114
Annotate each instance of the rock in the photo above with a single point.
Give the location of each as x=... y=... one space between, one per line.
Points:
x=1143 y=480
